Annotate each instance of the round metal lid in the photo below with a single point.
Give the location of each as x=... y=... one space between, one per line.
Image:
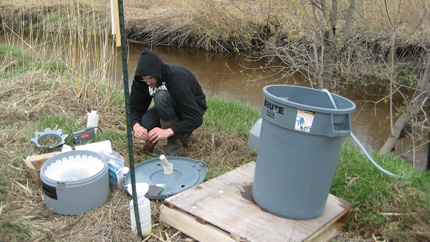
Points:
x=186 y=174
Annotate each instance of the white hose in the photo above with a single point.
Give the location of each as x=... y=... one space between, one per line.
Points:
x=359 y=144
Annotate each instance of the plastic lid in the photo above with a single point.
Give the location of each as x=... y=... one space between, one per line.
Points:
x=186 y=174
x=141 y=189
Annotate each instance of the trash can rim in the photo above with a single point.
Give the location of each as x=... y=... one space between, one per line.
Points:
x=309 y=107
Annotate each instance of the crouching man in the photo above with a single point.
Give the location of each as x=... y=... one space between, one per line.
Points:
x=179 y=104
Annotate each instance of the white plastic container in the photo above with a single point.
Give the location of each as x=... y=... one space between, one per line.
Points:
x=168 y=169
x=144 y=215
x=93 y=119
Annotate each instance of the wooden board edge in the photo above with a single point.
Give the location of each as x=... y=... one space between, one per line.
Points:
x=332 y=228
x=31 y=161
x=43 y=157
x=34 y=173
x=188 y=224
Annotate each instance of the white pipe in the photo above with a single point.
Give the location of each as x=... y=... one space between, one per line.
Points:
x=164 y=160
x=359 y=144
x=112 y=18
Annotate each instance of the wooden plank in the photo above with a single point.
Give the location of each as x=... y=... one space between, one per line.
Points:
x=226 y=202
x=188 y=224
x=192 y=226
x=331 y=229
x=116 y=20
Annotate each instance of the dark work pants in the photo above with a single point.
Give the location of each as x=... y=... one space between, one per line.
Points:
x=164 y=108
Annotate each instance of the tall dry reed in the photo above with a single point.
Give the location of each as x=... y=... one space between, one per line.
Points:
x=76 y=35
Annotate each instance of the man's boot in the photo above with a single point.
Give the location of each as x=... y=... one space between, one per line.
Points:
x=148 y=149
x=175 y=144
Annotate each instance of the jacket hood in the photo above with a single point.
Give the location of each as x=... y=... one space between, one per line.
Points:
x=149 y=64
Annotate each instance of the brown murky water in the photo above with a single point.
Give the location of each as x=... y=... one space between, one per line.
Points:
x=224 y=75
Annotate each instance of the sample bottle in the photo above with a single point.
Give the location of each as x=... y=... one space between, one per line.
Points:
x=144 y=215
x=93 y=119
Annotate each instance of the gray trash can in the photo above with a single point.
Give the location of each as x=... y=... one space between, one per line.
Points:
x=300 y=141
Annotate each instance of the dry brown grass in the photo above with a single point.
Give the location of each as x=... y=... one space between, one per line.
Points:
x=214 y=24
x=223 y=25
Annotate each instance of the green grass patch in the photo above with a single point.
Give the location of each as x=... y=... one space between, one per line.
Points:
x=23 y=62
x=67 y=125
x=229 y=115
x=378 y=198
x=15 y=230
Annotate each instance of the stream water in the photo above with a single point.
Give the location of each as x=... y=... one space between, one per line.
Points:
x=225 y=75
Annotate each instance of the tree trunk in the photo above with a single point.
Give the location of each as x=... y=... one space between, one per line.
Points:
x=332 y=48
x=391 y=140
x=413 y=109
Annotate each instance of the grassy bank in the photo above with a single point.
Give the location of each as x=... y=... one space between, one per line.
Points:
x=222 y=25
x=36 y=93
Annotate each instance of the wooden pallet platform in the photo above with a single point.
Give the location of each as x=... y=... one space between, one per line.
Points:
x=222 y=209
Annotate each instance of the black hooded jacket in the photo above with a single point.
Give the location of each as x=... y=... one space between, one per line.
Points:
x=181 y=84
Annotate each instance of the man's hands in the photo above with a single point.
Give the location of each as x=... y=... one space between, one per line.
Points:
x=140 y=132
x=155 y=135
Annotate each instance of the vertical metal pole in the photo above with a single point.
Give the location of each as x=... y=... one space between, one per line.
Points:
x=428 y=155
x=127 y=112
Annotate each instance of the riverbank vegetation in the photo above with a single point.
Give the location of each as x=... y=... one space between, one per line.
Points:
x=62 y=70
x=230 y=25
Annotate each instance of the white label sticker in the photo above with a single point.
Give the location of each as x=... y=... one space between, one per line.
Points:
x=304 y=120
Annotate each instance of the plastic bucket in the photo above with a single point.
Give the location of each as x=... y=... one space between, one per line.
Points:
x=300 y=141
x=77 y=183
